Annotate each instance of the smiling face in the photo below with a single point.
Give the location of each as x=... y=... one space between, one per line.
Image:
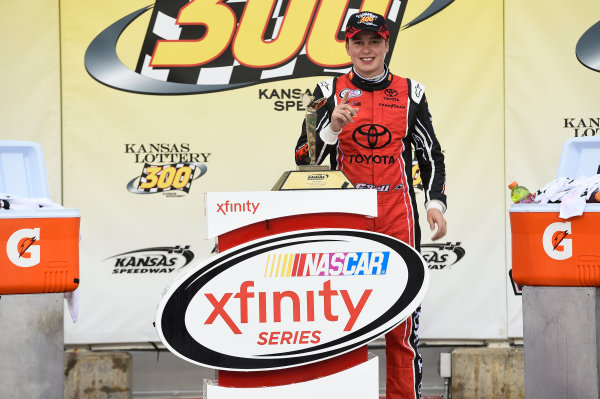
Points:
x=367 y=51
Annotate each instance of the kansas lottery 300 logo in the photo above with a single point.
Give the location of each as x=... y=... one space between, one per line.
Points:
x=200 y=46
x=172 y=178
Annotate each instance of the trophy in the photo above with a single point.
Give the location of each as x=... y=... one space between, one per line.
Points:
x=312 y=176
x=312 y=105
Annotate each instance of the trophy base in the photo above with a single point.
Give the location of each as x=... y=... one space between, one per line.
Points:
x=311 y=168
x=312 y=177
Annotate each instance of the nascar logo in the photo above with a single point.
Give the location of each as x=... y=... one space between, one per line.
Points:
x=331 y=264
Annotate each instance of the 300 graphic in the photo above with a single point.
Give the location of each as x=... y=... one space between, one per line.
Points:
x=203 y=46
x=165 y=177
x=161 y=178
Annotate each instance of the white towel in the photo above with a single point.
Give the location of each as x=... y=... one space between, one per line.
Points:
x=579 y=191
x=24 y=203
x=553 y=191
x=72 y=299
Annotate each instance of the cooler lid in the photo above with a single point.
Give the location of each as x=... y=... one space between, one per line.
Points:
x=580 y=157
x=22 y=169
x=39 y=213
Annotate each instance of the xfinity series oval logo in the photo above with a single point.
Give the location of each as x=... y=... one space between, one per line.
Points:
x=351 y=93
x=291 y=299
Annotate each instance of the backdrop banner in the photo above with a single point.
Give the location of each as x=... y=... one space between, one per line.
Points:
x=30 y=81
x=552 y=94
x=164 y=102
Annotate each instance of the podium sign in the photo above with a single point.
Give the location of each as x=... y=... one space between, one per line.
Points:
x=291 y=299
x=307 y=178
x=230 y=211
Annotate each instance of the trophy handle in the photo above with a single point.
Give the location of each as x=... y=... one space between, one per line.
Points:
x=312 y=106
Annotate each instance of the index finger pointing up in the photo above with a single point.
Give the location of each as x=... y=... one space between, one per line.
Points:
x=345 y=98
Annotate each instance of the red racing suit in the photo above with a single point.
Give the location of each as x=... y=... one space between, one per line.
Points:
x=376 y=151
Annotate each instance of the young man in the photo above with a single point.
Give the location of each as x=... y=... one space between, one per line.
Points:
x=370 y=121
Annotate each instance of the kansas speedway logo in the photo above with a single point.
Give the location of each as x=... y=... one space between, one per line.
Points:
x=196 y=46
x=156 y=260
x=440 y=256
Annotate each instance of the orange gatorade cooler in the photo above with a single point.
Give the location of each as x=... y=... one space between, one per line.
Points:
x=39 y=251
x=39 y=247
x=550 y=251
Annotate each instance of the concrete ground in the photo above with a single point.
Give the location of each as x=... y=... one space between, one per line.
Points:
x=159 y=375
x=494 y=370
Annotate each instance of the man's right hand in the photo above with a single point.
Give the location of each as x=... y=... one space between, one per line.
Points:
x=342 y=114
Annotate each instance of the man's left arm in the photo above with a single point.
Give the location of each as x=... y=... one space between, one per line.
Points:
x=431 y=161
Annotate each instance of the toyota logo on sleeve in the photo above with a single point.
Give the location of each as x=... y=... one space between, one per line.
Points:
x=372 y=136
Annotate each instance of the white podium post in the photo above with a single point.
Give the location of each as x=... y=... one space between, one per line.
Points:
x=276 y=212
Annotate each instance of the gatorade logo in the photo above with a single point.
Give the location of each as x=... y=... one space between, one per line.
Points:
x=201 y=46
x=23 y=247
x=557 y=242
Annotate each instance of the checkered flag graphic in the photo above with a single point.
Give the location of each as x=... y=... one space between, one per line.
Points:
x=225 y=70
x=165 y=169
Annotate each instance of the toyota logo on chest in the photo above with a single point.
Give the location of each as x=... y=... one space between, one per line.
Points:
x=372 y=136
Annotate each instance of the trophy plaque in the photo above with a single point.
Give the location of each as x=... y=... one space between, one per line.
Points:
x=312 y=176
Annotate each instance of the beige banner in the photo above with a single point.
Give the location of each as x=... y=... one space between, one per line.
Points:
x=30 y=81
x=122 y=151
x=244 y=138
x=458 y=56
x=130 y=239
x=550 y=95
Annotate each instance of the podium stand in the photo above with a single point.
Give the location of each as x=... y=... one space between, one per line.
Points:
x=261 y=214
x=297 y=290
